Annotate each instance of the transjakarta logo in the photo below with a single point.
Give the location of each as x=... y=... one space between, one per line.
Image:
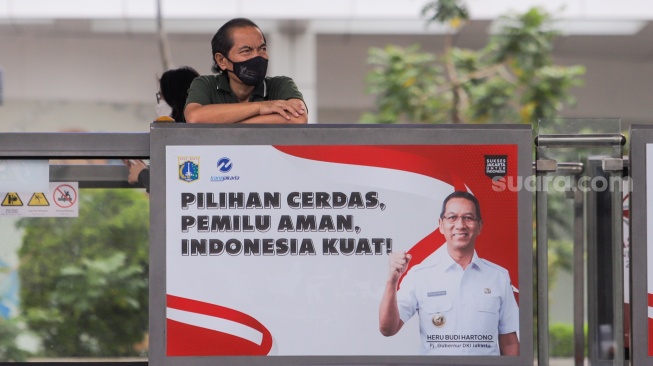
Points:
x=224 y=166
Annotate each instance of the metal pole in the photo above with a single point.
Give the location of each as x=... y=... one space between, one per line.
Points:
x=617 y=269
x=579 y=275
x=565 y=168
x=589 y=140
x=542 y=266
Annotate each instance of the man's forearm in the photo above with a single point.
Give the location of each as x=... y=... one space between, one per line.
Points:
x=509 y=344
x=389 y=321
x=221 y=113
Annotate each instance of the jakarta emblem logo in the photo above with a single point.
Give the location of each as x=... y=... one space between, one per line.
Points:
x=189 y=168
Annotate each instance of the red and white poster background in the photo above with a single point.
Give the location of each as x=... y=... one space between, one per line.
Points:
x=321 y=295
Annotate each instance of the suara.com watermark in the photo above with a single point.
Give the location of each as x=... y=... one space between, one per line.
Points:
x=561 y=183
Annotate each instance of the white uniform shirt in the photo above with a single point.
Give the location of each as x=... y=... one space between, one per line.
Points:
x=473 y=306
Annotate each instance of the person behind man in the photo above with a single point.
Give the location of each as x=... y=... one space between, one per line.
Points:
x=170 y=102
x=173 y=90
x=466 y=304
x=241 y=92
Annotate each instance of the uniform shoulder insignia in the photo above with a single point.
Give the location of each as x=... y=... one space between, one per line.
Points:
x=422 y=266
x=494 y=266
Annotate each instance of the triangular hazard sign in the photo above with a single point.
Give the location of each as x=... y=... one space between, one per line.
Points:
x=38 y=199
x=12 y=199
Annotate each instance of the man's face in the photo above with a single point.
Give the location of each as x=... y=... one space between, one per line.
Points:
x=248 y=43
x=460 y=224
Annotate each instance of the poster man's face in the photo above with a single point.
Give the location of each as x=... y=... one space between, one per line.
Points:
x=460 y=224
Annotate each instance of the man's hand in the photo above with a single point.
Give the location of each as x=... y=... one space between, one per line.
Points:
x=398 y=265
x=135 y=167
x=389 y=320
x=285 y=108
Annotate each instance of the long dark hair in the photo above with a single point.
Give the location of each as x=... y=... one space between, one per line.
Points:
x=223 y=41
x=174 y=86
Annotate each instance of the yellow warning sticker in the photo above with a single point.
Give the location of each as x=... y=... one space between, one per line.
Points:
x=38 y=199
x=12 y=199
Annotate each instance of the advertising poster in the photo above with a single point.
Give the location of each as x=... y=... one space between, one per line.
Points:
x=284 y=250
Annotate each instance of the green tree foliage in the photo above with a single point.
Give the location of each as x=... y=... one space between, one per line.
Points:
x=9 y=350
x=84 y=286
x=406 y=90
x=510 y=80
x=561 y=340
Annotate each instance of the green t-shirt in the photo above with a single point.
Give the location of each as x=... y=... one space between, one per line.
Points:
x=214 y=89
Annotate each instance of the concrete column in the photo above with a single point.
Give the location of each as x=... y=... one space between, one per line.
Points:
x=292 y=49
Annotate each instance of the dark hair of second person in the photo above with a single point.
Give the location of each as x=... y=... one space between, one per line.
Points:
x=174 y=86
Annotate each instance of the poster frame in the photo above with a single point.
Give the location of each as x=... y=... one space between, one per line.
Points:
x=640 y=137
x=163 y=135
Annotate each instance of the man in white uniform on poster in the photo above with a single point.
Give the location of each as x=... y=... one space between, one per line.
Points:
x=466 y=304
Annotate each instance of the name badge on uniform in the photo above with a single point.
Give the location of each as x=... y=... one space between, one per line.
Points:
x=436 y=293
x=439 y=320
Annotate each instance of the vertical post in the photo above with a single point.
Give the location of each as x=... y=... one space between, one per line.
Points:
x=614 y=166
x=579 y=275
x=617 y=268
x=542 y=264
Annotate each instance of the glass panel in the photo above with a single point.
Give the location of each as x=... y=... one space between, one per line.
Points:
x=581 y=126
x=595 y=187
x=76 y=289
x=23 y=175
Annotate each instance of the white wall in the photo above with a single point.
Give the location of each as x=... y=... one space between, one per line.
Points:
x=88 y=82
x=57 y=77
